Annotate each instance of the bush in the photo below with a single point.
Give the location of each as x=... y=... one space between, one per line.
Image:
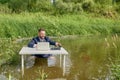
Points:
x=9 y=50
x=104 y=2
x=75 y=1
x=117 y=8
x=88 y=5
x=77 y=8
x=61 y=7
x=107 y=11
x=4 y=8
x=43 y=5
x=4 y=1
x=17 y=6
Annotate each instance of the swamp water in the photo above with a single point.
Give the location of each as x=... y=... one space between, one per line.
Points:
x=89 y=59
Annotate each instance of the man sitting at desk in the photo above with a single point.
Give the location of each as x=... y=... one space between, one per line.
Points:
x=42 y=38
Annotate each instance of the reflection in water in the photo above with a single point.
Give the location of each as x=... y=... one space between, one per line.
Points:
x=89 y=58
x=41 y=63
x=2 y=77
x=52 y=72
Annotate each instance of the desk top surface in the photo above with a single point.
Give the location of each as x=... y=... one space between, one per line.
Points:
x=27 y=50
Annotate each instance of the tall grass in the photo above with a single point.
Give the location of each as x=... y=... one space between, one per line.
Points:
x=114 y=59
x=27 y=24
x=9 y=51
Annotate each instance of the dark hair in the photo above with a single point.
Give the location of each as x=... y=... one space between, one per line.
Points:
x=41 y=29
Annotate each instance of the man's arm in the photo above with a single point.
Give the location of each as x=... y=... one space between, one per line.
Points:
x=53 y=42
x=32 y=43
x=50 y=41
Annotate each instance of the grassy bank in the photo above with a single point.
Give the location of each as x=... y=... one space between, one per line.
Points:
x=9 y=51
x=27 y=24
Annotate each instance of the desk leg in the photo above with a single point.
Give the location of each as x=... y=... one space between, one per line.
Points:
x=60 y=60
x=22 y=63
x=64 y=58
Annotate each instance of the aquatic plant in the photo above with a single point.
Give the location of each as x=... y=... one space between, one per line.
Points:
x=42 y=74
x=114 y=59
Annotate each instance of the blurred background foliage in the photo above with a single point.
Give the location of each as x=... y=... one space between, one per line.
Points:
x=102 y=7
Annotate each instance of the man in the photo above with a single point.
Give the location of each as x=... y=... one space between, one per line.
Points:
x=42 y=38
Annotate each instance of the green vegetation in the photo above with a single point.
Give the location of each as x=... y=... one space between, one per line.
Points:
x=62 y=17
x=115 y=71
x=27 y=24
x=9 y=51
x=102 y=7
x=114 y=47
x=22 y=18
x=42 y=74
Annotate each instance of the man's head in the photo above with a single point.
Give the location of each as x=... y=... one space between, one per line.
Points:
x=41 y=33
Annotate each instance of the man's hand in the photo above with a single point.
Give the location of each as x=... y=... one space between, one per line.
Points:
x=58 y=44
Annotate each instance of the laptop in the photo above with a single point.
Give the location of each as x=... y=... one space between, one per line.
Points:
x=43 y=46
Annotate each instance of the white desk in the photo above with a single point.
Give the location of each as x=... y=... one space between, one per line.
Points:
x=29 y=51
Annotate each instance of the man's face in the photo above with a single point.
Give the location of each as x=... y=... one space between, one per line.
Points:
x=41 y=34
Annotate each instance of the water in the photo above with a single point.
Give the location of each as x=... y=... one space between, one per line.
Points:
x=88 y=59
